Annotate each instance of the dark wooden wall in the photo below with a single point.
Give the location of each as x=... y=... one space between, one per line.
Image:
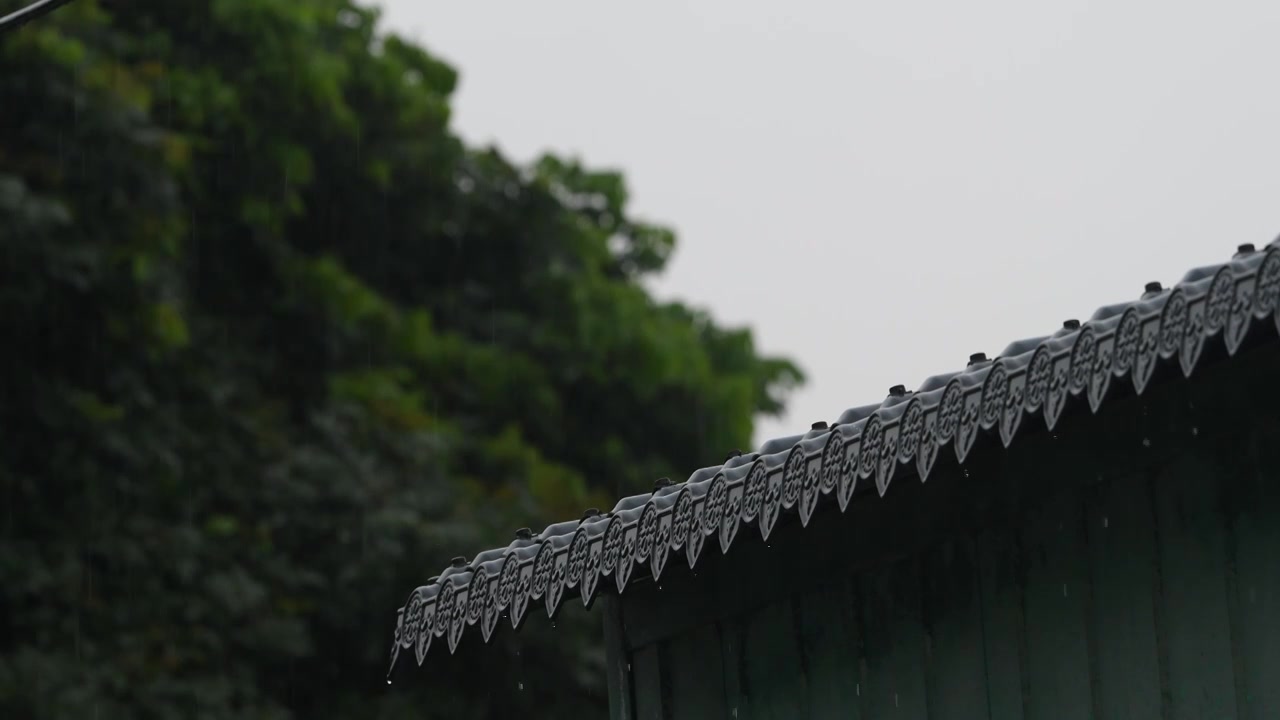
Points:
x=1126 y=566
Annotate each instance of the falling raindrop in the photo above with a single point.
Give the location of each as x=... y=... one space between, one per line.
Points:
x=1195 y=431
x=388 y=681
x=1106 y=522
x=1146 y=442
x=520 y=686
x=1064 y=589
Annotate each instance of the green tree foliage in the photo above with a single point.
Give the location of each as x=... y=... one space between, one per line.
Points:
x=277 y=345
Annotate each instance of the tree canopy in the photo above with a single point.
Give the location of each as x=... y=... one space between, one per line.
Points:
x=278 y=344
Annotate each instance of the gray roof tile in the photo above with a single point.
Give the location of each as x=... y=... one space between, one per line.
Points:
x=902 y=435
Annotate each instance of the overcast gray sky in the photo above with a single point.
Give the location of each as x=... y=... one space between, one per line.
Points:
x=880 y=189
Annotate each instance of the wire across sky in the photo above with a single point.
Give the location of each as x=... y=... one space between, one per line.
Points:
x=20 y=17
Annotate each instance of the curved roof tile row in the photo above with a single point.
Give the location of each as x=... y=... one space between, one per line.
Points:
x=872 y=443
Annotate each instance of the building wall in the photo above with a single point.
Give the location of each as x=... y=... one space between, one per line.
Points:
x=1125 y=566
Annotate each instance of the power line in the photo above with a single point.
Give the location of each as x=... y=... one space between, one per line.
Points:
x=30 y=12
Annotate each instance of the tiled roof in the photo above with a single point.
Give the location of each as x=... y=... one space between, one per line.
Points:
x=900 y=436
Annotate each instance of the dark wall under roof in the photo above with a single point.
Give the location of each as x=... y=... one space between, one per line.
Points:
x=1122 y=565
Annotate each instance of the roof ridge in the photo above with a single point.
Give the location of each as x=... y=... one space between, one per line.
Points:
x=905 y=431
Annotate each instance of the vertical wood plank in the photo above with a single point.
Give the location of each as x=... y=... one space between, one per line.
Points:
x=1124 y=567
x=617 y=660
x=957 y=677
x=1055 y=600
x=894 y=642
x=774 y=683
x=1002 y=622
x=696 y=674
x=1195 y=621
x=1255 y=526
x=646 y=670
x=732 y=638
x=829 y=645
